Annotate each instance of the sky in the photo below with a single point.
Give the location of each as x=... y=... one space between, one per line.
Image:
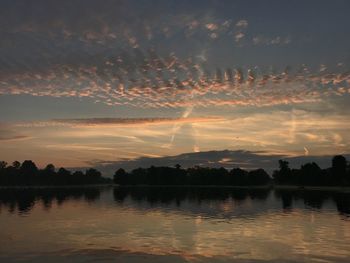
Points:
x=139 y=82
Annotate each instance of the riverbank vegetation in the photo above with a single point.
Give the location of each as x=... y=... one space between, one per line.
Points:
x=27 y=174
x=309 y=174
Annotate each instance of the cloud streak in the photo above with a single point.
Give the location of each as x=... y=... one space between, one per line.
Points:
x=8 y=134
x=75 y=141
x=14 y=138
x=93 y=122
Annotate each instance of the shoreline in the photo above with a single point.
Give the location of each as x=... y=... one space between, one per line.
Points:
x=55 y=186
x=345 y=189
x=271 y=187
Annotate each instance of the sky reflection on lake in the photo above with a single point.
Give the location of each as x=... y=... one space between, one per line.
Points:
x=173 y=225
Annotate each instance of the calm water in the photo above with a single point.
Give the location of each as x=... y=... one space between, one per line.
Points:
x=173 y=225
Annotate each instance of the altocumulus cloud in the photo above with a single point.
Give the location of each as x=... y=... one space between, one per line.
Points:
x=108 y=54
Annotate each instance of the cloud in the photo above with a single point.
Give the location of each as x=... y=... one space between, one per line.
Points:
x=275 y=132
x=239 y=36
x=106 y=55
x=130 y=83
x=8 y=134
x=93 y=122
x=242 y=23
x=267 y=41
x=14 y=138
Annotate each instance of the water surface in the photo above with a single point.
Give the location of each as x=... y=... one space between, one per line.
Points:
x=173 y=225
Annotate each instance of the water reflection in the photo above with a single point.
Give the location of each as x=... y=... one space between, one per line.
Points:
x=223 y=198
x=221 y=201
x=163 y=195
x=314 y=199
x=172 y=224
x=23 y=200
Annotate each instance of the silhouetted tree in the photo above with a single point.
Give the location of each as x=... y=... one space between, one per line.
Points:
x=284 y=174
x=78 y=174
x=16 y=164
x=29 y=174
x=191 y=176
x=92 y=175
x=339 y=164
x=258 y=177
x=238 y=176
x=92 y=172
x=63 y=172
x=119 y=176
x=50 y=168
x=28 y=168
x=339 y=168
x=310 y=174
x=3 y=164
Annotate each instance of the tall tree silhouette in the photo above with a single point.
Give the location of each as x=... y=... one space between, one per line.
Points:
x=339 y=168
x=284 y=176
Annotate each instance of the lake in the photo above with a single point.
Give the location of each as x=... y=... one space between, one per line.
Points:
x=172 y=224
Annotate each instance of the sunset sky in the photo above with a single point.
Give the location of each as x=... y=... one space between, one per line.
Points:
x=94 y=83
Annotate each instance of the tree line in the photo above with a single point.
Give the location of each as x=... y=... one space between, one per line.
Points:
x=309 y=174
x=27 y=174
x=191 y=176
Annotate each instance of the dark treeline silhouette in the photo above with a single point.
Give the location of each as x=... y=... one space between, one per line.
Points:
x=23 y=200
x=310 y=174
x=27 y=174
x=191 y=176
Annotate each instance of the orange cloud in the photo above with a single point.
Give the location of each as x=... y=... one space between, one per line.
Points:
x=87 y=122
